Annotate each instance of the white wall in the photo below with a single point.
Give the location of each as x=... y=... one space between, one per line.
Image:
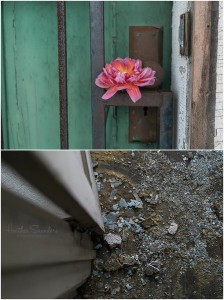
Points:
x=180 y=79
x=219 y=84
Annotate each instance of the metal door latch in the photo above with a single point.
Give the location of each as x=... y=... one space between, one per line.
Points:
x=185 y=33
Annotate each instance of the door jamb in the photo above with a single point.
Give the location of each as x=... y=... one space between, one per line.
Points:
x=204 y=59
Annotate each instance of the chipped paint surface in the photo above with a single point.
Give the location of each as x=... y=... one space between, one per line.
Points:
x=180 y=78
x=219 y=84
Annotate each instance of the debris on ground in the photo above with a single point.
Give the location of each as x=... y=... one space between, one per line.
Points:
x=173 y=228
x=152 y=268
x=163 y=217
x=113 y=240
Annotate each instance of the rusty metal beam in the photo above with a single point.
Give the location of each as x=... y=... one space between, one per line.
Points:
x=62 y=69
x=149 y=98
x=97 y=63
x=166 y=137
x=162 y=100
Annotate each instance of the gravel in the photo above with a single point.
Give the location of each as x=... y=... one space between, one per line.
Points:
x=171 y=243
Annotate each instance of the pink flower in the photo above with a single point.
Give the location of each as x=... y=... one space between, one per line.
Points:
x=125 y=74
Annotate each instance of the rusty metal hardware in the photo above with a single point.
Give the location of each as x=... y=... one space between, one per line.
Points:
x=163 y=101
x=185 y=33
x=145 y=44
x=150 y=98
x=62 y=70
x=143 y=124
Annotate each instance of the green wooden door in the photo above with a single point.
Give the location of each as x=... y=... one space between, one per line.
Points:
x=30 y=92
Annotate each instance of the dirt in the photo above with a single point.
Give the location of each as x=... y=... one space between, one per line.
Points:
x=172 y=246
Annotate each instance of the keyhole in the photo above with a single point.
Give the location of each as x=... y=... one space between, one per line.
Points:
x=145 y=111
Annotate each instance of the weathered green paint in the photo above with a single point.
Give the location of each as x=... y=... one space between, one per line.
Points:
x=79 y=92
x=119 y=16
x=30 y=100
x=4 y=121
x=31 y=76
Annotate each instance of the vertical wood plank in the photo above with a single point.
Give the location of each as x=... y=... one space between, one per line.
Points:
x=202 y=122
x=97 y=62
x=78 y=74
x=31 y=105
x=4 y=123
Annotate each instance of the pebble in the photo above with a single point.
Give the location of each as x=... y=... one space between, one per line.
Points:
x=135 y=203
x=115 y=290
x=154 y=200
x=112 y=226
x=129 y=212
x=113 y=240
x=95 y=273
x=107 y=287
x=115 y=207
x=143 y=282
x=112 y=217
x=126 y=260
x=112 y=194
x=123 y=203
x=107 y=275
x=137 y=197
x=152 y=268
x=98 y=186
x=115 y=182
x=128 y=286
x=98 y=246
x=154 y=247
x=143 y=257
x=173 y=228
x=112 y=264
x=138 y=228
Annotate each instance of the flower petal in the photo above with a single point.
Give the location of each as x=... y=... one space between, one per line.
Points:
x=119 y=64
x=134 y=93
x=102 y=81
x=130 y=63
x=109 y=93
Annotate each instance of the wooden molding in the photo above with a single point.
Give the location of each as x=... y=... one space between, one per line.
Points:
x=204 y=49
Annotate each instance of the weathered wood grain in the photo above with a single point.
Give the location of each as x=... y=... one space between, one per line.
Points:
x=203 y=71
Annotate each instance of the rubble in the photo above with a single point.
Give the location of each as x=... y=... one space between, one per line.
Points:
x=135 y=204
x=98 y=246
x=153 y=254
x=116 y=290
x=153 y=200
x=113 y=240
x=115 y=182
x=123 y=203
x=128 y=286
x=113 y=194
x=152 y=268
x=112 y=264
x=153 y=220
x=173 y=228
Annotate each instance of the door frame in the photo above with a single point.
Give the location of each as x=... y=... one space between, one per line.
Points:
x=204 y=59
